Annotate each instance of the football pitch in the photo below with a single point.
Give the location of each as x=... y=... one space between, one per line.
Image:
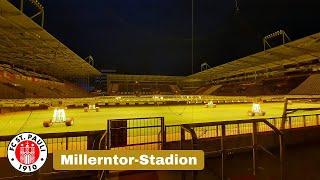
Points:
x=31 y=121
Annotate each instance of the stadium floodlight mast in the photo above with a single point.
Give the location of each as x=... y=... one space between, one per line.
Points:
x=266 y=40
x=237 y=10
x=192 y=35
x=90 y=60
x=38 y=6
x=237 y=6
x=205 y=66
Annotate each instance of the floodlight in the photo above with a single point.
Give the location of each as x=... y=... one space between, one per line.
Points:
x=59 y=116
x=91 y=107
x=256 y=110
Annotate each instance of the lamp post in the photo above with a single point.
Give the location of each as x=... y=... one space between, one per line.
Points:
x=192 y=35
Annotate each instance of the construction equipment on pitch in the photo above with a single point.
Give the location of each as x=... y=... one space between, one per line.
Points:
x=59 y=116
x=256 y=108
x=210 y=104
x=91 y=107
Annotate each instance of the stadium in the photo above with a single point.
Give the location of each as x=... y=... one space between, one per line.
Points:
x=251 y=111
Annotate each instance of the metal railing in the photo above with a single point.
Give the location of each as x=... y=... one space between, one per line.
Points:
x=161 y=134
x=287 y=110
x=223 y=150
x=151 y=133
x=239 y=127
x=136 y=133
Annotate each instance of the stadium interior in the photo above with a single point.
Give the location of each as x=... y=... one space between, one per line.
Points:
x=209 y=110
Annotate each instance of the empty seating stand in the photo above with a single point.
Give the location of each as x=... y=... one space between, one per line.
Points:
x=142 y=89
x=311 y=86
x=17 y=83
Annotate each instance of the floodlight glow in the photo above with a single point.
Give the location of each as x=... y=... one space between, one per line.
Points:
x=93 y=106
x=59 y=115
x=256 y=108
x=211 y=104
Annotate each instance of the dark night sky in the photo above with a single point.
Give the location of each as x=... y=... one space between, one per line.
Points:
x=154 y=36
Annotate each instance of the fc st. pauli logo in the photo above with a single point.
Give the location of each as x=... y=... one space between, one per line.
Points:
x=27 y=152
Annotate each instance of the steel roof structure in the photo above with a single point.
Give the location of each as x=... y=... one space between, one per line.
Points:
x=301 y=50
x=143 y=78
x=24 y=43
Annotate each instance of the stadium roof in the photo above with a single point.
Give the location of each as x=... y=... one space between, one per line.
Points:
x=301 y=50
x=25 y=43
x=144 y=78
